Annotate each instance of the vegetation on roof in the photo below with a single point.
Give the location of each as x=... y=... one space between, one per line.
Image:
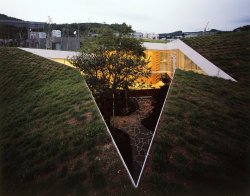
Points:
x=155 y=41
x=229 y=51
x=203 y=139
x=202 y=143
x=52 y=139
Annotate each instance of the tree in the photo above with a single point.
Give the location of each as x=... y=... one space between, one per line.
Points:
x=111 y=62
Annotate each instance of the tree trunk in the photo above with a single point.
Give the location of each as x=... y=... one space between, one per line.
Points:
x=113 y=97
x=126 y=99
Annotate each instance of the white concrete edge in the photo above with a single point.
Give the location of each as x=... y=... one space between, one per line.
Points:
x=202 y=62
x=156 y=127
x=208 y=67
x=154 y=46
x=125 y=165
x=50 y=54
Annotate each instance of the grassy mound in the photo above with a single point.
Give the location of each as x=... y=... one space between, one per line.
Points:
x=202 y=144
x=229 y=51
x=52 y=139
x=203 y=140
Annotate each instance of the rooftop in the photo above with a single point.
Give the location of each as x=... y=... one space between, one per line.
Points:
x=52 y=136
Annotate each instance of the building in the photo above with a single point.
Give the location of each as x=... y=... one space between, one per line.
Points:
x=17 y=32
x=193 y=34
x=138 y=35
x=37 y=39
x=150 y=36
x=32 y=34
x=54 y=41
x=170 y=36
x=56 y=33
x=164 y=59
x=70 y=43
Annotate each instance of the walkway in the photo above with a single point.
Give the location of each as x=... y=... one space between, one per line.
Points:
x=139 y=135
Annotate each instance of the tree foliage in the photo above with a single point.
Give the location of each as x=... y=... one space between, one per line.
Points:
x=111 y=61
x=89 y=28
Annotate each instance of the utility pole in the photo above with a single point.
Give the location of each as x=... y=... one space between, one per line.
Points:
x=38 y=29
x=205 y=29
x=68 y=39
x=78 y=35
x=78 y=31
x=49 y=31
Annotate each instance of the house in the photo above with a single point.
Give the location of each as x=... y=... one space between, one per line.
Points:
x=137 y=35
x=150 y=36
x=37 y=39
x=17 y=32
x=173 y=35
x=164 y=59
x=192 y=34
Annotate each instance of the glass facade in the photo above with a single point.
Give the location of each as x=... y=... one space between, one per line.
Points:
x=184 y=63
x=165 y=62
x=161 y=62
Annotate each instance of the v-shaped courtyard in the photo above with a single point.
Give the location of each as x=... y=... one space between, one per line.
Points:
x=133 y=133
x=50 y=147
x=139 y=136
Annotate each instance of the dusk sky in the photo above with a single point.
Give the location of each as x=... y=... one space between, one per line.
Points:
x=156 y=16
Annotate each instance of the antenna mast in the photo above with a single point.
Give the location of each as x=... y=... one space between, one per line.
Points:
x=205 y=29
x=49 y=32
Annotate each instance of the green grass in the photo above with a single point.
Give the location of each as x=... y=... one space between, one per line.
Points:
x=202 y=143
x=229 y=51
x=155 y=41
x=50 y=146
x=49 y=128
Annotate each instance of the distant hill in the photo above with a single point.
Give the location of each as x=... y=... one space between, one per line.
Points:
x=68 y=29
x=180 y=33
x=5 y=17
x=244 y=28
x=214 y=30
x=170 y=35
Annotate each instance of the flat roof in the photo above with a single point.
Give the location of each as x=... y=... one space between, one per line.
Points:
x=52 y=54
x=59 y=54
x=27 y=24
x=155 y=46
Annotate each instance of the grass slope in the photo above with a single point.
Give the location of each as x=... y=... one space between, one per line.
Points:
x=229 y=51
x=49 y=140
x=52 y=139
x=202 y=143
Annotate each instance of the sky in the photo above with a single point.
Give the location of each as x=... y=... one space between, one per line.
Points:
x=152 y=16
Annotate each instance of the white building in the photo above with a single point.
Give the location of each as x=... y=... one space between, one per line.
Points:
x=56 y=33
x=150 y=36
x=37 y=35
x=138 y=35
